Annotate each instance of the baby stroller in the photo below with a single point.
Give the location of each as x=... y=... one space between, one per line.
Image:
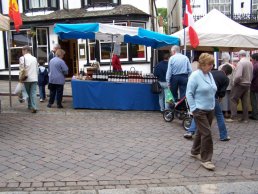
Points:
x=179 y=110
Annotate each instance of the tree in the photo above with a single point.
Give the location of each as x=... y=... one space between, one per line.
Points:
x=163 y=12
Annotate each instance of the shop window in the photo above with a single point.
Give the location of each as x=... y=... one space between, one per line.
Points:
x=105 y=51
x=17 y=41
x=138 y=51
x=224 y=6
x=42 y=44
x=37 y=5
x=92 y=51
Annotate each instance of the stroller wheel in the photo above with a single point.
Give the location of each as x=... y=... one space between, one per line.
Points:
x=168 y=115
x=187 y=123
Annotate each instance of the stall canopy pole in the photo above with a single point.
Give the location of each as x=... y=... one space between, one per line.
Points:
x=9 y=65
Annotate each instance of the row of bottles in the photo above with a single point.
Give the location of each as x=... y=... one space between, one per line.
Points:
x=123 y=76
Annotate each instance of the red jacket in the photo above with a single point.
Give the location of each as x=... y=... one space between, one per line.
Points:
x=116 y=63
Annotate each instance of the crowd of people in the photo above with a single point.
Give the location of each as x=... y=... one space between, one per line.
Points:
x=210 y=93
x=38 y=74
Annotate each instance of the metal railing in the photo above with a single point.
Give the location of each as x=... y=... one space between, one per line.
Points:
x=240 y=18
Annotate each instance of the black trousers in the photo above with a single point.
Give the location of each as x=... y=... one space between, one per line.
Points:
x=56 y=89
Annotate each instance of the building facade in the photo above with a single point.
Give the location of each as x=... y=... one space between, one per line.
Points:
x=40 y=16
x=241 y=11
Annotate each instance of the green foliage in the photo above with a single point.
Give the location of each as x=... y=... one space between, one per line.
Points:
x=163 y=12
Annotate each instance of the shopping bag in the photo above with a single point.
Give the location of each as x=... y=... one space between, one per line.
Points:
x=156 y=88
x=169 y=98
x=18 y=88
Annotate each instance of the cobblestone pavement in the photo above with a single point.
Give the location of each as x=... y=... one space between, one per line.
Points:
x=67 y=149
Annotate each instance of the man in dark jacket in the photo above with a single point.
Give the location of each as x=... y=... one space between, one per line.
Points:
x=254 y=88
x=160 y=72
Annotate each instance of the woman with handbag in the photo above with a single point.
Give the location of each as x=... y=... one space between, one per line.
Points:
x=29 y=76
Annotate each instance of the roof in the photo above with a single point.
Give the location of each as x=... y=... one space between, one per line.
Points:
x=82 y=13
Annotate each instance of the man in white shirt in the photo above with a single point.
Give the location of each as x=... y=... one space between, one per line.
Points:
x=30 y=64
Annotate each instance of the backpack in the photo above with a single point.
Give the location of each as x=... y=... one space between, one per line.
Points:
x=43 y=77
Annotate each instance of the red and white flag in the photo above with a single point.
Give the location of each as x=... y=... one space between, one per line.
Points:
x=189 y=21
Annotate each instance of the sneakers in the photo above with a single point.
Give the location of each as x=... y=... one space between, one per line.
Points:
x=243 y=121
x=253 y=118
x=21 y=100
x=33 y=110
x=60 y=106
x=41 y=100
x=225 y=139
x=188 y=135
x=196 y=156
x=49 y=105
x=230 y=120
x=208 y=165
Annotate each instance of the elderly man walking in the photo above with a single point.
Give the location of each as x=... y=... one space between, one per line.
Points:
x=179 y=68
x=241 y=85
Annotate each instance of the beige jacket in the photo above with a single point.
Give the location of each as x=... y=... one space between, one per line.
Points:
x=244 y=72
x=31 y=66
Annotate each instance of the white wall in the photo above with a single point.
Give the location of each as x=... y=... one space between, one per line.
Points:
x=53 y=38
x=140 y=4
x=72 y=4
x=237 y=6
x=2 y=62
x=199 y=7
x=202 y=7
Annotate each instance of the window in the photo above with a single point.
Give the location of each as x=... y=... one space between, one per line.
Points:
x=138 y=51
x=18 y=40
x=92 y=54
x=90 y=3
x=30 y=5
x=66 y=4
x=82 y=51
x=223 y=6
x=42 y=51
x=255 y=6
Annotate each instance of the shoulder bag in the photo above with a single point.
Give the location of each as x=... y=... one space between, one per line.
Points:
x=23 y=73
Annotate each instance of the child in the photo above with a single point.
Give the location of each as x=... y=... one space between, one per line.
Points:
x=42 y=80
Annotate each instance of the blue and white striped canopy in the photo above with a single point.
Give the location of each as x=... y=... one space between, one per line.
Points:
x=109 y=32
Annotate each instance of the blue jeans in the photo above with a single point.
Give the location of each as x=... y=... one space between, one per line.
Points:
x=31 y=89
x=42 y=92
x=178 y=82
x=220 y=122
x=162 y=104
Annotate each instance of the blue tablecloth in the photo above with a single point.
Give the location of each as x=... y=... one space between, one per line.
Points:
x=114 y=96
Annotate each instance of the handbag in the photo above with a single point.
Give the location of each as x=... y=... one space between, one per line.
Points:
x=156 y=88
x=23 y=75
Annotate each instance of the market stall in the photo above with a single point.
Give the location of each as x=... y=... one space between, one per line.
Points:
x=113 y=95
x=119 y=91
x=217 y=32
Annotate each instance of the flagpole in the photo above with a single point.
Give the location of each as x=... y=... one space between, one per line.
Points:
x=9 y=66
x=184 y=42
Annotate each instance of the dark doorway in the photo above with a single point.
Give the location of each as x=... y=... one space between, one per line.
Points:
x=71 y=55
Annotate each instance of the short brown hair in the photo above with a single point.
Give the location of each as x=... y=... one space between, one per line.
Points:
x=26 y=48
x=205 y=59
